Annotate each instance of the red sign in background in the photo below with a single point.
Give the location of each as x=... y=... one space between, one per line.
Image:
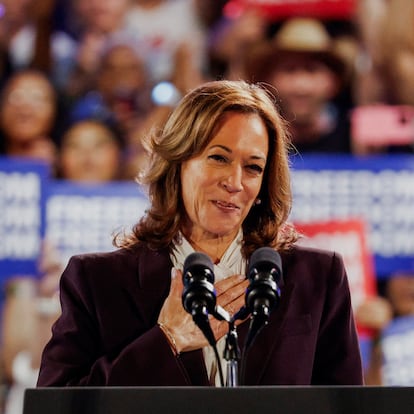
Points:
x=347 y=237
x=279 y=9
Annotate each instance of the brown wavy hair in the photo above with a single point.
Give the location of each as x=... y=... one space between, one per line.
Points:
x=187 y=132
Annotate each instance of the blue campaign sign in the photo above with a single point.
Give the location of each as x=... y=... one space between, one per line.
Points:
x=21 y=215
x=377 y=189
x=83 y=218
x=397 y=345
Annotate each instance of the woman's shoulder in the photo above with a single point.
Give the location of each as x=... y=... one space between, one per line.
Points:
x=310 y=259
x=121 y=254
x=122 y=261
x=304 y=251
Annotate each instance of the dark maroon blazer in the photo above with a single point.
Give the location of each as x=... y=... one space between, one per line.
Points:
x=107 y=334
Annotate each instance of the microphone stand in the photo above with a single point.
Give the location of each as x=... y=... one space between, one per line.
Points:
x=232 y=356
x=231 y=349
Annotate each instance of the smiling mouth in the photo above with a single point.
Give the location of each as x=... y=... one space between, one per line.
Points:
x=226 y=206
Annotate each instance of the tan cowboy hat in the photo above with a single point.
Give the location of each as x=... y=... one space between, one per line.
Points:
x=299 y=35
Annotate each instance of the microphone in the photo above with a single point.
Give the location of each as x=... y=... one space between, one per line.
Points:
x=263 y=294
x=199 y=296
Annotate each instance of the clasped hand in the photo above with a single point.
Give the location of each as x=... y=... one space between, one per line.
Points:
x=188 y=337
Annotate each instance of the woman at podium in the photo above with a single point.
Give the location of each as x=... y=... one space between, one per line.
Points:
x=219 y=189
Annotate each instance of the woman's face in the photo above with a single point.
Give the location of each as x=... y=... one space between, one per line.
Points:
x=220 y=185
x=28 y=108
x=89 y=153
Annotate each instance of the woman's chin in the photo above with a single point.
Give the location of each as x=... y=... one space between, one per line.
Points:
x=224 y=231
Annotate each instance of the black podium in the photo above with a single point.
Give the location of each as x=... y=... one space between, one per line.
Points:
x=204 y=400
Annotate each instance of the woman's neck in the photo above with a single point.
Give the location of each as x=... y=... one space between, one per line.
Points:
x=213 y=245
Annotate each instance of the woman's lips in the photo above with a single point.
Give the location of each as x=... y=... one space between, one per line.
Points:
x=225 y=206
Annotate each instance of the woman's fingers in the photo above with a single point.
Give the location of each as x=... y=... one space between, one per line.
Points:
x=231 y=293
x=187 y=336
x=172 y=308
x=224 y=285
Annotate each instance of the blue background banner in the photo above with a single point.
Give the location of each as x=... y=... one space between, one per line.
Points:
x=83 y=218
x=397 y=344
x=22 y=203
x=378 y=190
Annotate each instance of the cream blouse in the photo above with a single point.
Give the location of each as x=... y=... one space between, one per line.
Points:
x=230 y=264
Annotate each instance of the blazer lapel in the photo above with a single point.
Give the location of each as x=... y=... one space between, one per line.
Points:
x=148 y=285
x=147 y=291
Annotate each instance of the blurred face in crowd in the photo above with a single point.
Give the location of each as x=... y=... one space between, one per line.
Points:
x=102 y=15
x=400 y=292
x=220 y=185
x=90 y=153
x=121 y=70
x=28 y=108
x=121 y=77
x=304 y=84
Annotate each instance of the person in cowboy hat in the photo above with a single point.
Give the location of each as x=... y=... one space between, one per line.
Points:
x=300 y=62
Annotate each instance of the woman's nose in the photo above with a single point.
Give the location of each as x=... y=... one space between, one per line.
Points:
x=233 y=180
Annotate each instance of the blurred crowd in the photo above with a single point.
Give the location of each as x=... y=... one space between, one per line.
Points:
x=83 y=81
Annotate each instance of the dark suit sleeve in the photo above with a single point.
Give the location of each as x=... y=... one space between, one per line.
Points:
x=337 y=358
x=77 y=353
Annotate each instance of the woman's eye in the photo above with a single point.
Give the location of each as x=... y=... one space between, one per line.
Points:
x=255 y=168
x=218 y=157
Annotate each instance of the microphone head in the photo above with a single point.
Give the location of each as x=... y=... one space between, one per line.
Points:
x=264 y=274
x=263 y=259
x=198 y=262
x=263 y=294
x=198 y=281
